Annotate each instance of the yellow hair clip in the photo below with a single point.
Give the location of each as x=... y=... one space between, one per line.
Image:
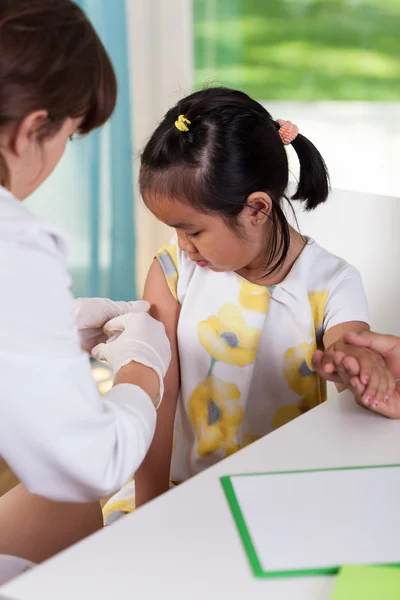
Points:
x=182 y=123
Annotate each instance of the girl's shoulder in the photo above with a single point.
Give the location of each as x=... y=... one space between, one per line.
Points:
x=177 y=267
x=182 y=275
x=318 y=267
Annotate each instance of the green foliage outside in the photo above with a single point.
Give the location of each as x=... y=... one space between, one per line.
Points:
x=300 y=49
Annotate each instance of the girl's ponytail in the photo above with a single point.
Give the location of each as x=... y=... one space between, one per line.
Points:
x=313 y=188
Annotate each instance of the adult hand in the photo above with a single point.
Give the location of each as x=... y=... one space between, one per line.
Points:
x=92 y=314
x=388 y=346
x=348 y=370
x=136 y=337
x=369 y=366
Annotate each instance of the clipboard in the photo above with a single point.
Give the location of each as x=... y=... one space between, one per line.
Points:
x=357 y=526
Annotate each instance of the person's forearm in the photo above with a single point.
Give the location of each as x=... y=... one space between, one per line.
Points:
x=152 y=478
x=116 y=430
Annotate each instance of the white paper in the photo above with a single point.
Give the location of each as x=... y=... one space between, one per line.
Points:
x=322 y=519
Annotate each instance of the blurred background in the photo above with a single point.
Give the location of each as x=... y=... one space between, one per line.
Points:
x=331 y=66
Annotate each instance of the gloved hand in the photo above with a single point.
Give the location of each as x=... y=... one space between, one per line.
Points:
x=91 y=314
x=140 y=338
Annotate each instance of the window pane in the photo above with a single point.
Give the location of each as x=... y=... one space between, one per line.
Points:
x=331 y=66
x=300 y=49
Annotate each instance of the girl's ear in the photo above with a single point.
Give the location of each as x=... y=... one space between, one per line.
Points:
x=260 y=205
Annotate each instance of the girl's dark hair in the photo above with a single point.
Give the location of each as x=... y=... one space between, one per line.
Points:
x=232 y=149
x=51 y=58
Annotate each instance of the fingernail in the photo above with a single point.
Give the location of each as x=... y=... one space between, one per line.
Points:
x=386 y=399
x=366 y=379
x=376 y=404
x=367 y=400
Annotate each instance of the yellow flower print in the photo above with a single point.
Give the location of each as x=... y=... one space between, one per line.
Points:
x=216 y=414
x=285 y=414
x=315 y=397
x=318 y=303
x=254 y=297
x=302 y=380
x=288 y=412
x=227 y=338
x=120 y=504
x=298 y=370
x=168 y=259
x=249 y=438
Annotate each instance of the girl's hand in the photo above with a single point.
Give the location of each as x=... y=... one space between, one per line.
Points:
x=390 y=407
x=362 y=363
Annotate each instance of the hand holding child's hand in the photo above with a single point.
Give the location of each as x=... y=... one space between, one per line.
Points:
x=350 y=365
x=390 y=407
x=388 y=346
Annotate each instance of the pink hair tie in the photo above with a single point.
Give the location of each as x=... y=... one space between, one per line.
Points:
x=288 y=131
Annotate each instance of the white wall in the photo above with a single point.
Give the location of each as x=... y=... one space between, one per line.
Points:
x=364 y=229
x=360 y=141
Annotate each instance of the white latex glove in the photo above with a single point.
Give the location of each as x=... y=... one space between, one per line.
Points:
x=140 y=338
x=91 y=314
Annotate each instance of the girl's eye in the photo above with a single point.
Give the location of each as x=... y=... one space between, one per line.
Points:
x=192 y=235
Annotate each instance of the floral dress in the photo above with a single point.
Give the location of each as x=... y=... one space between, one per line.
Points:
x=245 y=352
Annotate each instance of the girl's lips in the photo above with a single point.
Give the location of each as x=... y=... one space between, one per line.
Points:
x=201 y=263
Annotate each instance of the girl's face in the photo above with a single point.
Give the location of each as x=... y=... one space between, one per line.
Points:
x=209 y=241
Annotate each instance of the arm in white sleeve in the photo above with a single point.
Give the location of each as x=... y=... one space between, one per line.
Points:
x=347 y=301
x=60 y=437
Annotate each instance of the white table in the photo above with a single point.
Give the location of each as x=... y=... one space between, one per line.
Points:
x=185 y=544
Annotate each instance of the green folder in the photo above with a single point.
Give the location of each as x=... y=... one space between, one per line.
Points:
x=248 y=541
x=367 y=583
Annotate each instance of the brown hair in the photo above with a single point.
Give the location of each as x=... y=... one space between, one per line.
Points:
x=52 y=59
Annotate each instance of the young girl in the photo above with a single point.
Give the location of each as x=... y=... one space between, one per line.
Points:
x=246 y=300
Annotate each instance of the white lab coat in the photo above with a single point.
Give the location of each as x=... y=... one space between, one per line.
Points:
x=60 y=437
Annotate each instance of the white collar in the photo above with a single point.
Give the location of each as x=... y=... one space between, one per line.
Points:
x=4 y=193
